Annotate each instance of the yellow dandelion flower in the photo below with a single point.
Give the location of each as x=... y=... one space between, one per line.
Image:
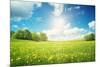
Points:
x=50 y=58
x=26 y=61
x=18 y=58
x=35 y=57
x=66 y=55
x=11 y=59
x=38 y=60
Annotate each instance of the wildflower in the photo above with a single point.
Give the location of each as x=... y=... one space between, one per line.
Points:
x=38 y=60
x=11 y=59
x=18 y=58
x=50 y=58
x=26 y=61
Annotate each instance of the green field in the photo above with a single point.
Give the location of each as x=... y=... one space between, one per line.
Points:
x=24 y=52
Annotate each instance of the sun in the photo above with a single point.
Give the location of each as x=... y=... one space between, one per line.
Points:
x=58 y=22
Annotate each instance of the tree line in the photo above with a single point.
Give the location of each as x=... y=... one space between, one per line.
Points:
x=25 y=34
x=89 y=37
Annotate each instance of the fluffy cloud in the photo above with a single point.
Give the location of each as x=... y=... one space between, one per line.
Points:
x=92 y=25
x=58 y=8
x=77 y=7
x=15 y=26
x=16 y=19
x=73 y=8
x=60 y=30
x=22 y=10
x=74 y=33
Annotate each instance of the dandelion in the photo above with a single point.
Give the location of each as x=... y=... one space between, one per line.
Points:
x=50 y=58
x=18 y=58
x=66 y=55
x=38 y=60
x=26 y=61
x=11 y=59
x=33 y=55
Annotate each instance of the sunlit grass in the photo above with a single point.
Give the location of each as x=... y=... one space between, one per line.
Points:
x=24 y=52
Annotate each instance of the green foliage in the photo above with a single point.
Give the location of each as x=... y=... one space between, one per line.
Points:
x=23 y=34
x=43 y=37
x=19 y=34
x=35 y=37
x=27 y=35
x=39 y=37
x=89 y=37
x=27 y=52
x=12 y=34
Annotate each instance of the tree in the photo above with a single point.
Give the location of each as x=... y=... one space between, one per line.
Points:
x=11 y=33
x=27 y=34
x=43 y=37
x=23 y=34
x=89 y=37
x=35 y=37
x=19 y=34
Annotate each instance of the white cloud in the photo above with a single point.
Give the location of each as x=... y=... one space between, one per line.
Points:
x=58 y=8
x=15 y=26
x=69 y=9
x=73 y=8
x=74 y=33
x=23 y=10
x=77 y=7
x=16 y=19
x=38 y=4
x=92 y=25
x=62 y=30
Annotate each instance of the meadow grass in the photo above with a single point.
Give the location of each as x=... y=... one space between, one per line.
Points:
x=25 y=52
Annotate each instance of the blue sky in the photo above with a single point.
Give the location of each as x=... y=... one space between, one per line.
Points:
x=58 y=21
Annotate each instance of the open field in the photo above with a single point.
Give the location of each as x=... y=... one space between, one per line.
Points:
x=24 y=52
